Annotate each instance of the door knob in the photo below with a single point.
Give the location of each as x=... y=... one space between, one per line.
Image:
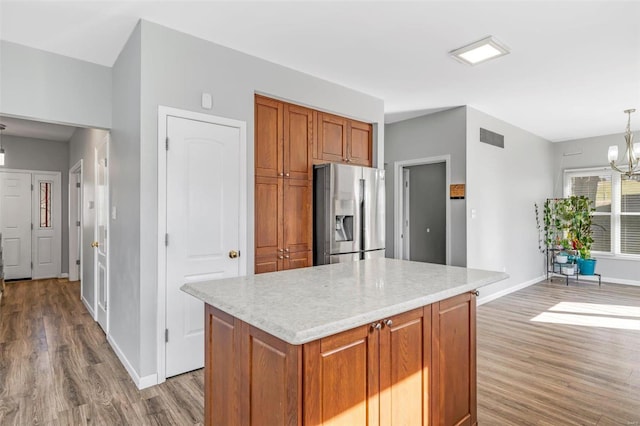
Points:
x=95 y=244
x=233 y=254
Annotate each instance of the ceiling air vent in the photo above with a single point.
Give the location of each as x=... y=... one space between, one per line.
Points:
x=492 y=138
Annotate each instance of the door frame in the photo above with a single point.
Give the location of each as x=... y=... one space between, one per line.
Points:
x=106 y=141
x=164 y=113
x=406 y=216
x=57 y=221
x=75 y=205
x=398 y=200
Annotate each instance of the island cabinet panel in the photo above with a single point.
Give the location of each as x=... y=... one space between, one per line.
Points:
x=270 y=378
x=454 y=361
x=341 y=379
x=405 y=360
x=222 y=347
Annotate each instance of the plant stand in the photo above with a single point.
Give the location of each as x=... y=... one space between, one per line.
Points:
x=554 y=269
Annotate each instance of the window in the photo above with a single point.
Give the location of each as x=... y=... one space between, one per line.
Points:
x=616 y=220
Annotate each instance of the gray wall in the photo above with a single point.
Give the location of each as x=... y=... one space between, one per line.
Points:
x=432 y=135
x=592 y=152
x=502 y=187
x=160 y=66
x=82 y=147
x=428 y=213
x=125 y=188
x=38 y=154
x=49 y=87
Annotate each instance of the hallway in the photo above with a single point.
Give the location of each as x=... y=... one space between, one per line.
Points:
x=56 y=367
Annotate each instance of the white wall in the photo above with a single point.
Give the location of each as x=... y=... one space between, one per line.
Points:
x=502 y=187
x=592 y=152
x=431 y=135
x=82 y=147
x=39 y=154
x=53 y=88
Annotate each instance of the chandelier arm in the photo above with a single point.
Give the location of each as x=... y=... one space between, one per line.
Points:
x=614 y=167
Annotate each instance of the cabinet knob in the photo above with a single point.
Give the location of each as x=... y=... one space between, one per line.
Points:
x=286 y=257
x=376 y=326
x=286 y=174
x=287 y=250
x=388 y=322
x=475 y=293
x=281 y=174
x=280 y=250
x=280 y=257
x=348 y=160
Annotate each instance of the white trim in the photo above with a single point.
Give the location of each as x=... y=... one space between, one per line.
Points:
x=397 y=200
x=608 y=280
x=63 y=275
x=75 y=169
x=89 y=308
x=508 y=290
x=163 y=113
x=141 y=382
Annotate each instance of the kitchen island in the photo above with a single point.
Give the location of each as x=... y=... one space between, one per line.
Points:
x=374 y=342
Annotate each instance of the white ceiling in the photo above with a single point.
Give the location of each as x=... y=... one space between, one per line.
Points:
x=574 y=66
x=36 y=129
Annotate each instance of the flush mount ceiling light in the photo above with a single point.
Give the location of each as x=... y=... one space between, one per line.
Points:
x=480 y=51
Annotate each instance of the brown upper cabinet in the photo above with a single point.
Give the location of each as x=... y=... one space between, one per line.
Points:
x=341 y=140
x=284 y=138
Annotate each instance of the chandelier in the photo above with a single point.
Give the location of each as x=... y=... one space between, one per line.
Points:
x=632 y=169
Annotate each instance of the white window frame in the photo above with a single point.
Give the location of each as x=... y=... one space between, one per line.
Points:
x=616 y=199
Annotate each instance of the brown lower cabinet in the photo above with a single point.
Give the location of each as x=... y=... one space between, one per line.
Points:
x=414 y=368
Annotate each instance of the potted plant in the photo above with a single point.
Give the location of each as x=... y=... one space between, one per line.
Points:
x=580 y=233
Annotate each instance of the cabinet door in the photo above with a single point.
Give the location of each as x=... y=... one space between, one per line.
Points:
x=298 y=142
x=268 y=218
x=360 y=145
x=269 y=263
x=332 y=138
x=405 y=360
x=268 y=137
x=302 y=259
x=454 y=361
x=298 y=216
x=341 y=379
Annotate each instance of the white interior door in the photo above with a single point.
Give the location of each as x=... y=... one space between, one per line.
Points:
x=75 y=223
x=15 y=224
x=101 y=235
x=47 y=225
x=203 y=227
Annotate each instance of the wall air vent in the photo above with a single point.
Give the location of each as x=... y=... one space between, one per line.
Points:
x=492 y=138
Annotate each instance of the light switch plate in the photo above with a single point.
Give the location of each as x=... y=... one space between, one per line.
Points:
x=207 y=101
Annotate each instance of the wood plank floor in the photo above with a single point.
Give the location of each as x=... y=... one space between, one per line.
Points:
x=557 y=355
x=57 y=368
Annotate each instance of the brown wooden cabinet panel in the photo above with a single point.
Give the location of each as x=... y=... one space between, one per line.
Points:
x=269 y=263
x=360 y=143
x=405 y=359
x=341 y=379
x=332 y=137
x=269 y=154
x=298 y=142
x=221 y=356
x=298 y=215
x=271 y=377
x=454 y=361
x=268 y=216
x=301 y=259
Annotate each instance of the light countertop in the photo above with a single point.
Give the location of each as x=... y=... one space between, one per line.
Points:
x=302 y=305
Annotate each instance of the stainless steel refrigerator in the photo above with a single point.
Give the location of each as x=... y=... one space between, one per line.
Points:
x=348 y=216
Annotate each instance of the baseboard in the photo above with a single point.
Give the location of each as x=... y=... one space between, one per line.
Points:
x=89 y=308
x=593 y=278
x=141 y=382
x=509 y=290
x=64 y=275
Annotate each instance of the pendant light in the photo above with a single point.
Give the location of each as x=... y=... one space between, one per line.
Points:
x=631 y=170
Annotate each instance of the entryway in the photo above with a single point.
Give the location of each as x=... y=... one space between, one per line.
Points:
x=202 y=229
x=30 y=222
x=422 y=230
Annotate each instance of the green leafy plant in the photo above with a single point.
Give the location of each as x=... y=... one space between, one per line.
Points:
x=567 y=223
